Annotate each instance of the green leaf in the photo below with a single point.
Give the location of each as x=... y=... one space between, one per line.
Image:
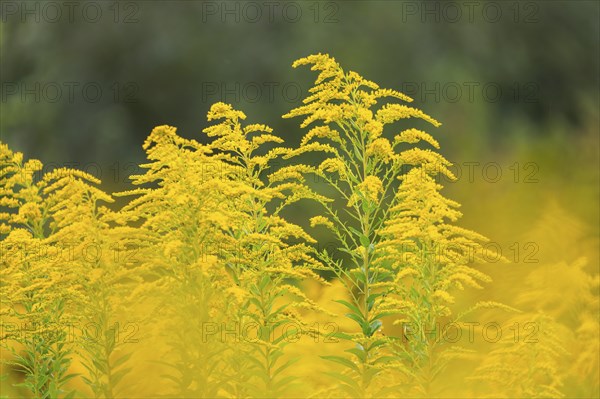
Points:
x=350 y=306
x=284 y=381
x=374 y=326
x=385 y=359
x=255 y=302
x=288 y=333
x=266 y=279
x=265 y=332
x=257 y=363
x=359 y=276
x=353 y=392
x=376 y=344
x=371 y=299
x=121 y=360
x=370 y=373
x=340 y=335
x=67 y=377
x=70 y=395
x=278 y=310
x=343 y=361
x=347 y=383
x=118 y=376
x=353 y=254
x=101 y=366
x=353 y=230
x=364 y=241
x=389 y=390
x=361 y=322
x=357 y=153
x=359 y=353
x=285 y=366
x=176 y=380
x=366 y=206
x=383 y=314
x=273 y=356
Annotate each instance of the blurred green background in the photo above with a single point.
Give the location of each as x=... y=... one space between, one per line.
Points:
x=87 y=81
x=515 y=84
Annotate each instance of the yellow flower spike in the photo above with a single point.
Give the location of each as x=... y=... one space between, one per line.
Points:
x=30 y=211
x=224 y=111
x=33 y=165
x=334 y=165
x=412 y=136
x=320 y=132
x=388 y=230
x=381 y=149
x=371 y=188
x=391 y=113
x=321 y=220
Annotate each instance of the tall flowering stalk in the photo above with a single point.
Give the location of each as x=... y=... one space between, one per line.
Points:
x=178 y=212
x=363 y=167
x=429 y=259
x=39 y=289
x=98 y=255
x=215 y=238
x=265 y=254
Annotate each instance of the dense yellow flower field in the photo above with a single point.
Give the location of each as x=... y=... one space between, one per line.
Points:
x=200 y=286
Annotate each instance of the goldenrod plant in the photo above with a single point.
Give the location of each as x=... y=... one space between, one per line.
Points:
x=391 y=233
x=204 y=279
x=215 y=237
x=359 y=165
x=429 y=259
x=100 y=255
x=40 y=291
x=264 y=254
x=526 y=366
x=178 y=213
